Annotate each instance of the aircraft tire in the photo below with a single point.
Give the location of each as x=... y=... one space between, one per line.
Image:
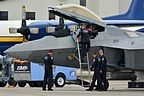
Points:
x=106 y=85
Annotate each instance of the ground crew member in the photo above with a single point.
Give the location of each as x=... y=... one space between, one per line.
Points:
x=85 y=39
x=103 y=69
x=48 y=74
x=96 y=75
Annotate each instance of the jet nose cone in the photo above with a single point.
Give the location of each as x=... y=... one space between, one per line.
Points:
x=18 y=51
x=10 y=51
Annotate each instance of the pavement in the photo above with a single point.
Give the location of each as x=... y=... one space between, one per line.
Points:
x=117 y=88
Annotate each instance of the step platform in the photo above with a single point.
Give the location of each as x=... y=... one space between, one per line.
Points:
x=85 y=83
x=136 y=84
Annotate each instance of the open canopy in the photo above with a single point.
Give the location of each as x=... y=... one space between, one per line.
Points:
x=78 y=14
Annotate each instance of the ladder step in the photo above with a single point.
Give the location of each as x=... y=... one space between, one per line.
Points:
x=84 y=63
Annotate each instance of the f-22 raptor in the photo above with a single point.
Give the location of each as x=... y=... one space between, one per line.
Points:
x=121 y=47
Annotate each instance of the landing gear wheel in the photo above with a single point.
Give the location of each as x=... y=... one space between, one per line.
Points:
x=106 y=85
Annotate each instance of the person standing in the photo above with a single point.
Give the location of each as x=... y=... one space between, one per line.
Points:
x=85 y=39
x=103 y=69
x=48 y=73
x=96 y=75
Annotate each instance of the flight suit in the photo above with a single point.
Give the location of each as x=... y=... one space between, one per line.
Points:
x=103 y=68
x=96 y=75
x=85 y=40
x=48 y=74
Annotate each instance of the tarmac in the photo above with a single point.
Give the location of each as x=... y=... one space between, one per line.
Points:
x=116 y=88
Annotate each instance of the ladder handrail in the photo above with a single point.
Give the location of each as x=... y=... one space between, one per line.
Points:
x=77 y=49
x=80 y=63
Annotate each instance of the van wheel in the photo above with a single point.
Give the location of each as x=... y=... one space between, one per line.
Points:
x=12 y=83
x=31 y=84
x=22 y=83
x=59 y=80
x=3 y=84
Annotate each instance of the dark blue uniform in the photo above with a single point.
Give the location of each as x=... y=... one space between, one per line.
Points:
x=85 y=40
x=103 y=68
x=96 y=75
x=48 y=75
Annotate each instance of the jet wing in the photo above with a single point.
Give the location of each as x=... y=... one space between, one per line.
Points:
x=76 y=17
x=128 y=44
x=121 y=39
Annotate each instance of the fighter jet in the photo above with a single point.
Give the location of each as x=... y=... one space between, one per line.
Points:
x=121 y=47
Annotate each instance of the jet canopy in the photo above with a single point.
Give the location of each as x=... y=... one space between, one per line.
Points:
x=78 y=14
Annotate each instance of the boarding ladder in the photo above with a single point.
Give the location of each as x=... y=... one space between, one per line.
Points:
x=85 y=63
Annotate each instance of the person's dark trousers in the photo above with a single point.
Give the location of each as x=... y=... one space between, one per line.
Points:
x=50 y=80
x=93 y=81
x=45 y=79
x=48 y=76
x=99 y=83
x=87 y=46
x=83 y=49
x=103 y=80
